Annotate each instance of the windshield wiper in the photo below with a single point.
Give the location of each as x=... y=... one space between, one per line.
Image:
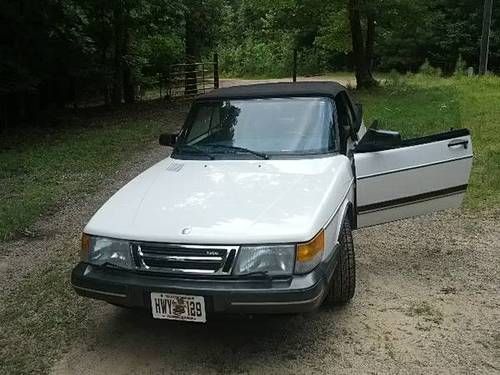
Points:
x=236 y=148
x=196 y=149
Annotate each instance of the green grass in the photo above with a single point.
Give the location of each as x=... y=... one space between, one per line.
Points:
x=41 y=317
x=44 y=168
x=420 y=105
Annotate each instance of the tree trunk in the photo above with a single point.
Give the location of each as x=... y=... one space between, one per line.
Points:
x=128 y=85
x=105 y=81
x=128 y=77
x=192 y=49
x=364 y=77
x=118 y=21
x=485 y=37
x=370 y=41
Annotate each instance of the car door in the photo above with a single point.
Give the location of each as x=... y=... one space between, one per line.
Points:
x=422 y=175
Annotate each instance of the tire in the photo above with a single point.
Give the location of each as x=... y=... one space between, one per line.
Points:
x=344 y=276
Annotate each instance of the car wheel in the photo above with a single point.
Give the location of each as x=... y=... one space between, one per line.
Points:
x=344 y=276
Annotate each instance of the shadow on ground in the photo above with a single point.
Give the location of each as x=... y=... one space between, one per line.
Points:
x=226 y=344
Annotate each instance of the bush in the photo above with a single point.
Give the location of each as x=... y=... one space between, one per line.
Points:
x=394 y=78
x=396 y=83
x=311 y=62
x=255 y=58
x=270 y=59
x=460 y=67
x=160 y=52
x=427 y=69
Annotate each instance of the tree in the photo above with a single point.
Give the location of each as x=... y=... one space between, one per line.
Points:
x=57 y=51
x=131 y=36
x=362 y=48
x=201 y=25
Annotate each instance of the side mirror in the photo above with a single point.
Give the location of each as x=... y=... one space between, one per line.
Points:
x=378 y=140
x=168 y=139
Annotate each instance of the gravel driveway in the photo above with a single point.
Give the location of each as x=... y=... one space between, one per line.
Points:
x=347 y=80
x=427 y=301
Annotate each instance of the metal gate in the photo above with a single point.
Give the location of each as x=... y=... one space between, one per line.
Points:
x=184 y=81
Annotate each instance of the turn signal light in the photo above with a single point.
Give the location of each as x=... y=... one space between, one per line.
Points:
x=307 y=251
x=84 y=251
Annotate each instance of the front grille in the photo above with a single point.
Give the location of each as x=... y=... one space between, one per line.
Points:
x=194 y=259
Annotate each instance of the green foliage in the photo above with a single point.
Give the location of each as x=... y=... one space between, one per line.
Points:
x=334 y=34
x=256 y=58
x=161 y=51
x=407 y=33
x=64 y=48
x=70 y=47
x=263 y=36
x=437 y=30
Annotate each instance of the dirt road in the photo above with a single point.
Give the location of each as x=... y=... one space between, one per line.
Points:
x=427 y=301
x=346 y=80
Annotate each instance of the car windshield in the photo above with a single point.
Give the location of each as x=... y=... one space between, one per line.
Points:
x=259 y=128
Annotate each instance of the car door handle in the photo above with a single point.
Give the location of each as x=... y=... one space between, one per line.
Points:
x=459 y=142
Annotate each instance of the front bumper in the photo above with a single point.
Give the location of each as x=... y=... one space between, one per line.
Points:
x=298 y=293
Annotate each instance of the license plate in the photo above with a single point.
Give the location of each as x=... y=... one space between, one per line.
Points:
x=178 y=307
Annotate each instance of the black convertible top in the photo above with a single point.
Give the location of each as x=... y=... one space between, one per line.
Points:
x=276 y=90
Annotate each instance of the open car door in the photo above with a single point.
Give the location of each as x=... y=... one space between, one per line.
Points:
x=419 y=176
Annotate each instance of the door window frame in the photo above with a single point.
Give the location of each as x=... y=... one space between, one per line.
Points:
x=345 y=113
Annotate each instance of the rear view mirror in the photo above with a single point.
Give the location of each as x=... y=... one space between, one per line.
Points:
x=378 y=140
x=168 y=139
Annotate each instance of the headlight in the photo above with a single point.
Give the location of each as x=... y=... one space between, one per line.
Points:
x=101 y=250
x=309 y=254
x=274 y=260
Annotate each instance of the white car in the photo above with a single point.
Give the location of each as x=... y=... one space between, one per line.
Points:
x=253 y=210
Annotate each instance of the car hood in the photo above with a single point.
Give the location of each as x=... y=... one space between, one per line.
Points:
x=226 y=201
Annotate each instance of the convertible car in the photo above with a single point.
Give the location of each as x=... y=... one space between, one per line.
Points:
x=253 y=210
